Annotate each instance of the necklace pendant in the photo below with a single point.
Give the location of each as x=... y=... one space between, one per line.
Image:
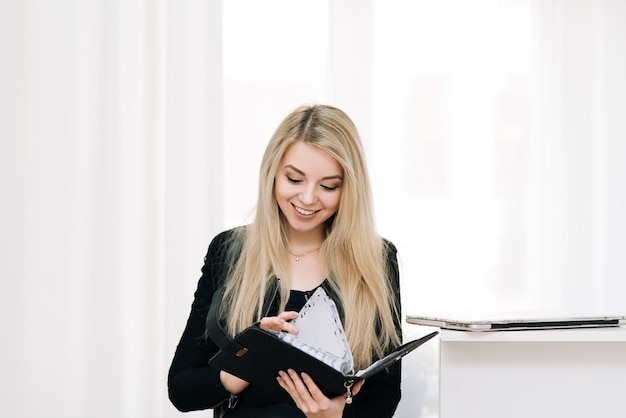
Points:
x=297 y=258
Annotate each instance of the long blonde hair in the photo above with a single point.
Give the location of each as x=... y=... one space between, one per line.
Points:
x=353 y=253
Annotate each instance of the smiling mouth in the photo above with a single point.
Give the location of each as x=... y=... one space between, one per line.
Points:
x=304 y=211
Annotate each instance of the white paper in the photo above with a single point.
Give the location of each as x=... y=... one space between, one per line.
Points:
x=321 y=334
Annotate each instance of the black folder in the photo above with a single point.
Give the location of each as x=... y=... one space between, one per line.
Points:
x=256 y=355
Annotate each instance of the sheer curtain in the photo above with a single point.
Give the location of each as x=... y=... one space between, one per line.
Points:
x=577 y=181
x=131 y=132
x=111 y=166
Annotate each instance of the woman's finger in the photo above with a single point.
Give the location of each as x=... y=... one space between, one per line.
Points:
x=280 y=323
x=287 y=383
x=320 y=402
x=307 y=396
x=313 y=389
x=357 y=387
x=288 y=315
x=301 y=395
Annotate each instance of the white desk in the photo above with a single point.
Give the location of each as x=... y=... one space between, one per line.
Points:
x=533 y=374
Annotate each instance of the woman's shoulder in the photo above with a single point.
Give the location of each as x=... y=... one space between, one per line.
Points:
x=223 y=250
x=389 y=246
x=237 y=233
x=391 y=260
x=227 y=242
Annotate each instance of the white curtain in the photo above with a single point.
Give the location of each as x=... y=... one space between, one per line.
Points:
x=577 y=177
x=111 y=184
x=131 y=132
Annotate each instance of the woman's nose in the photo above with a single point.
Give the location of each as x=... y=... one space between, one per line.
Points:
x=308 y=196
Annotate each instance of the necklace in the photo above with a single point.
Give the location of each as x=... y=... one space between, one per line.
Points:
x=298 y=256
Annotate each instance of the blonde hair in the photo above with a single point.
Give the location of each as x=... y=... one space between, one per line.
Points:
x=353 y=254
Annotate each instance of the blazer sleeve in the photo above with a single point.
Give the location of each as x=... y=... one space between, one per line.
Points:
x=192 y=383
x=380 y=394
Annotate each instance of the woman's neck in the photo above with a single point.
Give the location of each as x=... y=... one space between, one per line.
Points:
x=300 y=242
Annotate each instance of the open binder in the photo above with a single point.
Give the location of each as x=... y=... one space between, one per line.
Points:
x=320 y=349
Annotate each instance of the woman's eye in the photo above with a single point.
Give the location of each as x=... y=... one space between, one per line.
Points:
x=292 y=180
x=328 y=187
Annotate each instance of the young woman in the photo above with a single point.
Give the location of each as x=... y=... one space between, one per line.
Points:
x=313 y=227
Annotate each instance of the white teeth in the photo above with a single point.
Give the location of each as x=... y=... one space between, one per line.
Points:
x=304 y=212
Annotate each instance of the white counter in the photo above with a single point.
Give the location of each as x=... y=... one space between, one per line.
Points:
x=545 y=373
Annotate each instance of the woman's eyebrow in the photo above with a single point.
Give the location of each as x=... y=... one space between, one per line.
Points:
x=297 y=170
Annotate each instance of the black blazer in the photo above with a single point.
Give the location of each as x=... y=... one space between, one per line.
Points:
x=194 y=385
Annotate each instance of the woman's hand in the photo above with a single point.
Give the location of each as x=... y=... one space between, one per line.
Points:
x=280 y=323
x=235 y=385
x=310 y=399
x=232 y=383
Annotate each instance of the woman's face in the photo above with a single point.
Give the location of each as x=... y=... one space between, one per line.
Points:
x=308 y=187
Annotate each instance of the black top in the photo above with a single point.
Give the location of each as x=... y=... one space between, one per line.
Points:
x=297 y=299
x=194 y=385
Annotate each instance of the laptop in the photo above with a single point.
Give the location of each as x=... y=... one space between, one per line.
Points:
x=516 y=322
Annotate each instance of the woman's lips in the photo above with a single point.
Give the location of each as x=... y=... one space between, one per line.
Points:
x=304 y=212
